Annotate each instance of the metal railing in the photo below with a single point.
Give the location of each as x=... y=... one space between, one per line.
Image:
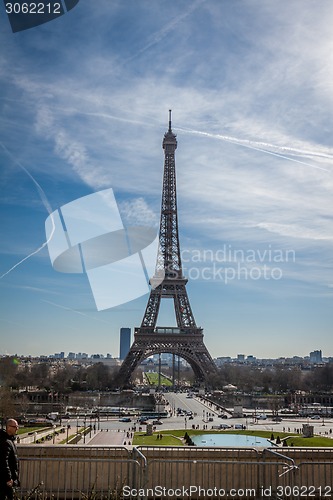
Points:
x=77 y=472
x=116 y=472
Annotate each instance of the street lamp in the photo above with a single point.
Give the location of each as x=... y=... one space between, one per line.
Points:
x=54 y=427
x=68 y=427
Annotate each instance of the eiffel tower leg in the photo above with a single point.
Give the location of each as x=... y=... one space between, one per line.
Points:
x=130 y=363
x=197 y=355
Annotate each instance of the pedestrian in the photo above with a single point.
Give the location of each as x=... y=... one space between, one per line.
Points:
x=9 y=465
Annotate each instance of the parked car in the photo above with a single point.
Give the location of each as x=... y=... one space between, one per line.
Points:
x=157 y=422
x=262 y=417
x=125 y=419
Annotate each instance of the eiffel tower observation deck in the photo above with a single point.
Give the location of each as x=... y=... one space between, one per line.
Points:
x=186 y=339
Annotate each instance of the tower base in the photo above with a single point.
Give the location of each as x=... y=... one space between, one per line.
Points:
x=188 y=344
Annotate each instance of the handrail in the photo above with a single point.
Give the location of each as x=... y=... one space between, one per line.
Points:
x=289 y=468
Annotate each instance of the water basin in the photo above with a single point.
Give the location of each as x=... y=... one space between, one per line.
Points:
x=230 y=440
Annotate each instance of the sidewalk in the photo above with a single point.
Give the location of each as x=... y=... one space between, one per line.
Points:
x=111 y=437
x=102 y=437
x=32 y=437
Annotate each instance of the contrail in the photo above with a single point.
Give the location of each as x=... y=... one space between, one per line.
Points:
x=46 y=204
x=256 y=146
x=74 y=310
x=159 y=35
x=11 y=323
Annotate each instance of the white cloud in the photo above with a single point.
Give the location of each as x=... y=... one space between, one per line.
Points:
x=296 y=231
x=137 y=212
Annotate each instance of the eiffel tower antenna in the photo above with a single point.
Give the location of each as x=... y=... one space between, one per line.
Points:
x=185 y=340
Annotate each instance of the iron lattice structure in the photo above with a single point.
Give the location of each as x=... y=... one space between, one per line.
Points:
x=185 y=340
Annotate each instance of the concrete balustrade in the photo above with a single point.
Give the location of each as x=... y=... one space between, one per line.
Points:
x=77 y=471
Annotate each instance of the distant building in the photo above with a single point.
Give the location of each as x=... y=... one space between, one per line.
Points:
x=166 y=358
x=316 y=357
x=222 y=359
x=58 y=355
x=82 y=355
x=241 y=358
x=125 y=342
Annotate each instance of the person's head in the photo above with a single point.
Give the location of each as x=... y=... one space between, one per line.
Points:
x=11 y=427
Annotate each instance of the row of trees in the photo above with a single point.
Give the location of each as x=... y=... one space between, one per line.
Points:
x=277 y=379
x=59 y=377
x=64 y=378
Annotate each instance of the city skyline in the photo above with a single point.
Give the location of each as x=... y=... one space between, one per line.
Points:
x=314 y=357
x=84 y=107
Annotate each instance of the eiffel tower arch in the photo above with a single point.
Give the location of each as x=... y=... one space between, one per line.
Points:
x=168 y=282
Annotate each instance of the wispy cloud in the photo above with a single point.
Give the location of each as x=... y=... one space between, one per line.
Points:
x=137 y=212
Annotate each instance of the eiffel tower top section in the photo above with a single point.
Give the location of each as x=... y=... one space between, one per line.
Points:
x=169 y=141
x=169 y=258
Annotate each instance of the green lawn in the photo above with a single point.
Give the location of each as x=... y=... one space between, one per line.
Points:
x=174 y=437
x=25 y=430
x=152 y=378
x=310 y=442
x=163 y=438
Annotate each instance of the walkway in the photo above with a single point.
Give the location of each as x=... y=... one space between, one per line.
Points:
x=110 y=437
x=101 y=437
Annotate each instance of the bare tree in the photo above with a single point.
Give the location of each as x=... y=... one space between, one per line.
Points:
x=7 y=404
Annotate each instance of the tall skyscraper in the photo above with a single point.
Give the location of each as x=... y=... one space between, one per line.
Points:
x=316 y=357
x=125 y=342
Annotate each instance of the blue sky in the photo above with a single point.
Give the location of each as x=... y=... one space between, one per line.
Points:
x=84 y=106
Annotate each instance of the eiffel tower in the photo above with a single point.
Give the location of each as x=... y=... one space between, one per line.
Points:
x=185 y=340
